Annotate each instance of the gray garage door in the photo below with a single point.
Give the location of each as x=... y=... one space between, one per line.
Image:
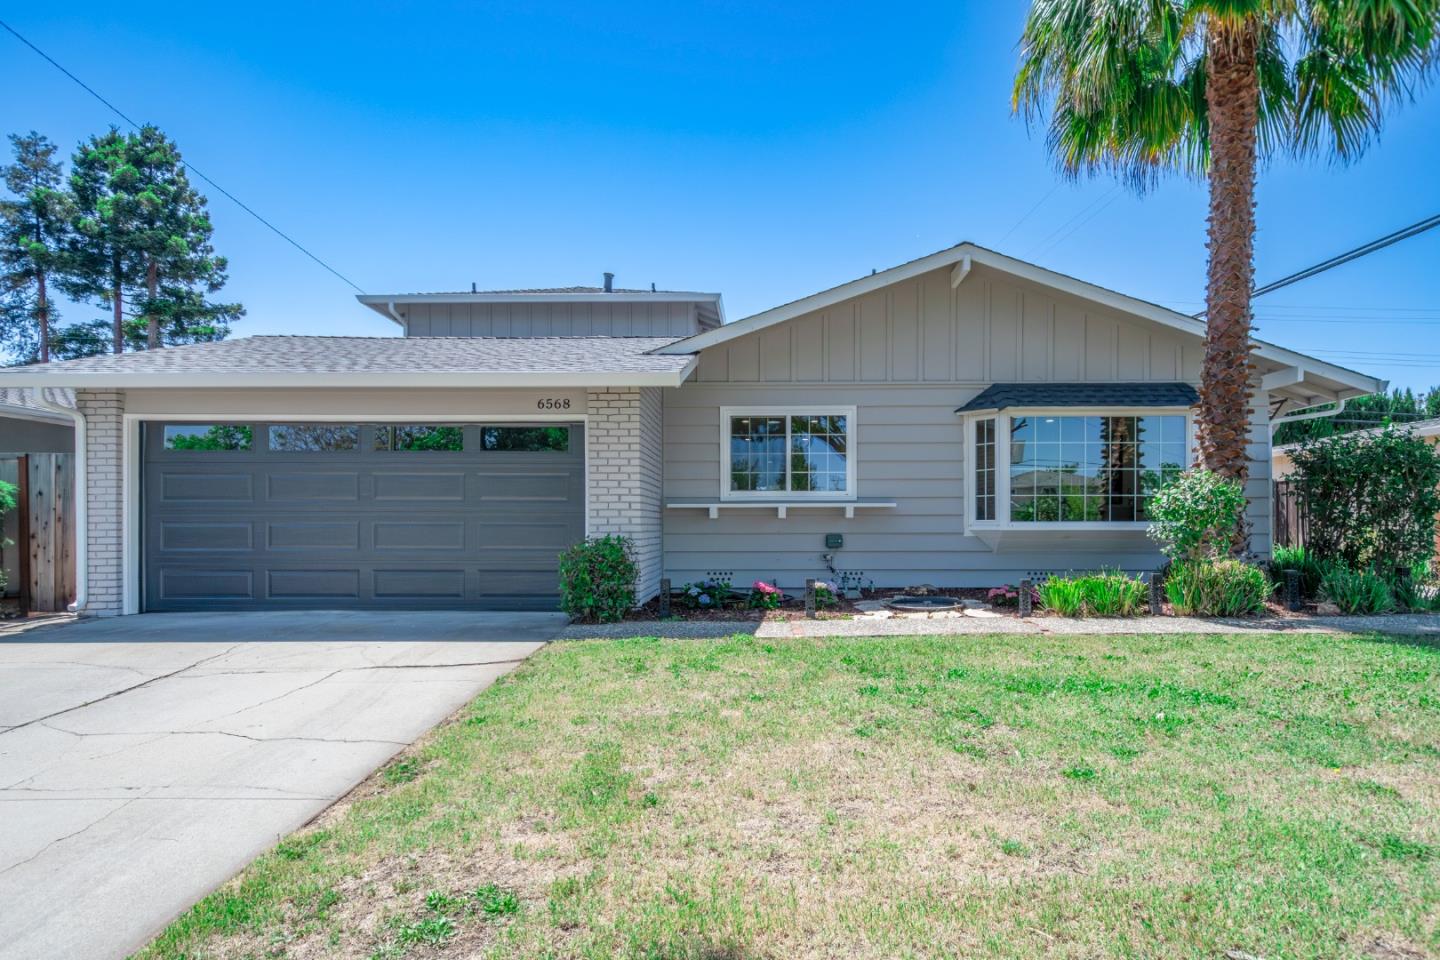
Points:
x=248 y=516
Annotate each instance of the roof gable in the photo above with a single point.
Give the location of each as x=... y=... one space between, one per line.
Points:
x=1317 y=378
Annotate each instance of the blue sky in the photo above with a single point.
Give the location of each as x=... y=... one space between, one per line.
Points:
x=762 y=150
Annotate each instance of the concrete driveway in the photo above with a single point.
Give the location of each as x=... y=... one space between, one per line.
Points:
x=145 y=760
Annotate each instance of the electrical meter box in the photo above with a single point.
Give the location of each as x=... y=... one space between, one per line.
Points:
x=834 y=541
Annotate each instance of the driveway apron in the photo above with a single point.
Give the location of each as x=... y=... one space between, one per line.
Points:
x=145 y=760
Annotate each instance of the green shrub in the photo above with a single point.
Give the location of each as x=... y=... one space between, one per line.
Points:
x=1355 y=590
x=1107 y=594
x=1370 y=499
x=1419 y=592
x=1217 y=588
x=1297 y=558
x=1196 y=516
x=1063 y=595
x=597 y=579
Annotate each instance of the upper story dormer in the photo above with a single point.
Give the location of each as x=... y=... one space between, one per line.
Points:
x=604 y=311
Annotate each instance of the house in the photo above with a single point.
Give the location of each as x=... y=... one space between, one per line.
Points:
x=962 y=419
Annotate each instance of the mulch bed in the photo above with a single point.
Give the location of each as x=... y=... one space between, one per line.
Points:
x=795 y=609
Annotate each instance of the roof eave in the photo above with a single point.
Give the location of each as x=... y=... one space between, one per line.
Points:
x=373 y=379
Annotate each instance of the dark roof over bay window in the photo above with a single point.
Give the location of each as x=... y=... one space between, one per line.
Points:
x=999 y=396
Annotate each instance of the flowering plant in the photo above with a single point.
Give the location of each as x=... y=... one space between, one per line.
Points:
x=705 y=594
x=764 y=596
x=1009 y=596
x=825 y=594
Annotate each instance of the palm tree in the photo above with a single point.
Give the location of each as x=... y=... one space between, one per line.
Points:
x=1211 y=88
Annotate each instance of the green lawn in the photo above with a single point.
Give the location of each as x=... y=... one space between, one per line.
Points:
x=1004 y=796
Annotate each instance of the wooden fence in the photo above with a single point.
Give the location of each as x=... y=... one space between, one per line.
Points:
x=1291 y=523
x=39 y=551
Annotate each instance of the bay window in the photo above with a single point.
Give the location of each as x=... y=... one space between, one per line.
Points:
x=1037 y=468
x=785 y=453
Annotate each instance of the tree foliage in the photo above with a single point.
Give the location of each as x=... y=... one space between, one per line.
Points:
x=1371 y=499
x=1363 y=413
x=125 y=230
x=34 y=223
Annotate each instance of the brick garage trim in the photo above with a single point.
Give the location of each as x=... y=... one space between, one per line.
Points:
x=104 y=412
x=623 y=475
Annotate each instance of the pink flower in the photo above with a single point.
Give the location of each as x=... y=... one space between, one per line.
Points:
x=764 y=587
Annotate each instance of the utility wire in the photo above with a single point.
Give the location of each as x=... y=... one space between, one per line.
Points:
x=1404 y=233
x=188 y=165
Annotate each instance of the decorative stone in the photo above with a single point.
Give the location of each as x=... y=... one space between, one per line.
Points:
x=1327 y=610
x=975 y=612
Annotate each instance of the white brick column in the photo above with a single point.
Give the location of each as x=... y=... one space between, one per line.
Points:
x=105 y=503
x=623 y=474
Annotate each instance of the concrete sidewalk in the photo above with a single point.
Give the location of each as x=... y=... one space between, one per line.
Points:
x=145 y=760
x=1407 y=625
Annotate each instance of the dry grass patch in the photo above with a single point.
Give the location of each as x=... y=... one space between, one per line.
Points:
x=998 y=796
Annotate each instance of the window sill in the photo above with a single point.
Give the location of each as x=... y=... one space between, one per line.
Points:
x=781 y=507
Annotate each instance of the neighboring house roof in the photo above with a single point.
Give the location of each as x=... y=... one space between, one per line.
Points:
x=999 y=396
x=1302 y=379
x=21 y=403
x=1423 y=428
x=281 y=361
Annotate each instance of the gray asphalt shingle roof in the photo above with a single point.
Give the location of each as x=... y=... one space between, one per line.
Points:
x=338 y=355
x=999 y=396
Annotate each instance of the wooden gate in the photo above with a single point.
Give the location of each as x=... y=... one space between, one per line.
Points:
x=1291 y=521
x=38 y=554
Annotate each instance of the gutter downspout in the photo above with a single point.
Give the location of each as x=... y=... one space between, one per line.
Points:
x=82 y=501
x=1313 y=415
x=395 y=315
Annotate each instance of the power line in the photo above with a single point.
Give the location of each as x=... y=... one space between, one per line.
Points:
x=1038 y=204
x=1404 y=233
x=188 y=165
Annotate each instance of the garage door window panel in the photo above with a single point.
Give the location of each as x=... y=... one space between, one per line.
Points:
x=208 y=437
x=313 y=438
x=525 y=439
x=419 y=438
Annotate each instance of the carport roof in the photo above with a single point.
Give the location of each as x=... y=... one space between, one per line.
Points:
x=305 y=361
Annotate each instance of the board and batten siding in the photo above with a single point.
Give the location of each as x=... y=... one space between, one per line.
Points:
x=549 y=319
x=905 y=357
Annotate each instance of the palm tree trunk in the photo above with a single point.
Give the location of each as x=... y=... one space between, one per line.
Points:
x=1232 y=97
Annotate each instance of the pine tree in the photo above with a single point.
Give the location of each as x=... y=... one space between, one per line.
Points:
x=104 y=256
x=180 y=264
x=34 y=223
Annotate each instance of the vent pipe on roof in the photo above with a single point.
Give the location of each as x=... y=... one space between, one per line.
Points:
x=609 y=283
x=472 y=287
x=652 y=286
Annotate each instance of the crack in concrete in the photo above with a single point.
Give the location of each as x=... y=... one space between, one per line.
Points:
x=158 y=734
x=121 y=692
x=69 y=836
x=77 y=663
x=361 y=669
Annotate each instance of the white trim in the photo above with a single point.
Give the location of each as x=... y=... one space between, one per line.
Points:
x=16 y=412
x=783 y=410
x=112 y=380
x=1026 y=271
x=713 y=507
x=384 y=304
x=132 y=456
x=1002 y=418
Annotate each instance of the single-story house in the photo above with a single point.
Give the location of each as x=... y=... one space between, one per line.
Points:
x=964 y=419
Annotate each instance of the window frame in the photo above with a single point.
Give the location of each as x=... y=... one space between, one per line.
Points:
x=1002 y=420
x=850 y=492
